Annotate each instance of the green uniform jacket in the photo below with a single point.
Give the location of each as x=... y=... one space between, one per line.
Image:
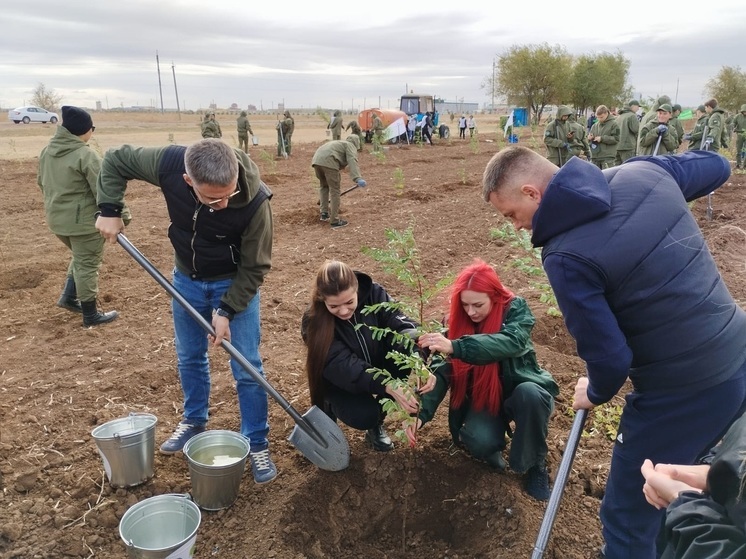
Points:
x=649 y=139
x=739 y=123
x=716 y=128
x=127 y=163
x=558 y=145
x=336 y=125
x=211 y=129
x=338 y=154
x=68 y=169
x=609 y=131
x=511 y=347
x=243 y=126
x=629 y=128
x=697 y=132
x=675 y=123
x=579 y=144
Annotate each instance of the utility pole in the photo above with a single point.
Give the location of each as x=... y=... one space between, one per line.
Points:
x=173 y=70
x=492 y=108
x=160 y=88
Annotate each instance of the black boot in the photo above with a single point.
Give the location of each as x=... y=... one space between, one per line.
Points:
x=92 y=316
x=69 y=298
x=378 y=439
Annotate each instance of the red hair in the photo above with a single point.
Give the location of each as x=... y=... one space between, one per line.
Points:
x=484 y=380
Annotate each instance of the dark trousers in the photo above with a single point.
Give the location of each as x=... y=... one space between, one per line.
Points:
x=670 y=428
x=529 y=407
x=359 y=411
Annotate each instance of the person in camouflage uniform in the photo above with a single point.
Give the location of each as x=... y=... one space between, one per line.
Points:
x=657 y=137
x=285 y=129
x=717 y=135
x=378 y=129
x=739 y=127
x=336 y=125
x=68 y=170
x=579 y=144
x=675 y=123
x=354 y=128
x=330 y=158
x=558 y=137
x=652 y=114
x=211 y=127
x=629 y=128
x=697 y=133
x=604 y=138
x=244 y=129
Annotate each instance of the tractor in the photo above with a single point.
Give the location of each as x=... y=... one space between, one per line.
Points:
x=418 y=105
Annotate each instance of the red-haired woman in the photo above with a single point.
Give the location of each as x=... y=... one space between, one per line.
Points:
x=494 y=378
x=341 y=349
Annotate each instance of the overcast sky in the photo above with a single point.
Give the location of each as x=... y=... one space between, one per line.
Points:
x=341 y=54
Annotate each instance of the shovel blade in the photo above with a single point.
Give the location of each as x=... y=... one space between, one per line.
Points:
x=331 y=452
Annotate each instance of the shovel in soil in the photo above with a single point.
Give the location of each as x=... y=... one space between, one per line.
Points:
x=315 y=434
x=559 y=484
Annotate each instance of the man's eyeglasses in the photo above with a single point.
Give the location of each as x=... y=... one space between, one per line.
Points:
x=217 y=201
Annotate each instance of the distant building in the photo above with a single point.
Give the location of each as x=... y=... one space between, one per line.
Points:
x=457 y=107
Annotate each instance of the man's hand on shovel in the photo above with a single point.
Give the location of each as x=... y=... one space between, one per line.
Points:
x=359 y=183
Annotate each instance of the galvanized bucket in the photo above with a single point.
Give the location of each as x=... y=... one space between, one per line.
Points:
x=127 y=448
x=217 y=460
x=161 y=527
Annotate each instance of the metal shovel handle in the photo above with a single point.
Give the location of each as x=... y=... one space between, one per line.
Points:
x=657 y=144
x=234 y=353
x=559 y=484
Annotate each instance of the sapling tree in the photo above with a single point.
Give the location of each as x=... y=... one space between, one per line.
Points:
x=401 y=258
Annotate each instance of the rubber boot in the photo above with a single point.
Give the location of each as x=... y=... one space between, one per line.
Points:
x=69 y=298
x=92 y=316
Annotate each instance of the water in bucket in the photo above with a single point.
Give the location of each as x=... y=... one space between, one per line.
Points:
x=161 y=527
x=127 y=448
x=217 y=460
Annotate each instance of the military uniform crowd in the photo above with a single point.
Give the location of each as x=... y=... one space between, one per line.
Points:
x=615 y=137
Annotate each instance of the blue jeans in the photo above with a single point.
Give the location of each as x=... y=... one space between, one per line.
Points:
x=194 y=366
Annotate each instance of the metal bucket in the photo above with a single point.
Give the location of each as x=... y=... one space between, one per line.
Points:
x=162 y=527
x=255 y=140
x=217 y=460
x=127 y=447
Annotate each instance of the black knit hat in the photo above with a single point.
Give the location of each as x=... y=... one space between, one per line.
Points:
x=76 y=120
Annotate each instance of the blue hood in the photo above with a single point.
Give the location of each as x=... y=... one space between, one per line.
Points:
x=577 y=194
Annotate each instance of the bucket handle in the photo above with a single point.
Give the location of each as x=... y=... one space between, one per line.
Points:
x=131 y=544
x=132 y=414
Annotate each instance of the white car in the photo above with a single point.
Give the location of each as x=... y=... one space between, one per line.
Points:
x=32 y=114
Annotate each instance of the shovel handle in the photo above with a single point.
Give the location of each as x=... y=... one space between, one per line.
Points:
x=559 y=484
x=234 y=353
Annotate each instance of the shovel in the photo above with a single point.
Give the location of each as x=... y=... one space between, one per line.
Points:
x=315 y=434
x=559 y=484
x=350 y=189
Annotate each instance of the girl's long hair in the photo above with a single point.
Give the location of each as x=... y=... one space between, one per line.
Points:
x=483 y=381
x=333 y=278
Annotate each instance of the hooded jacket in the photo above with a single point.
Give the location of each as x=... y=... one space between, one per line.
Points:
x=68 y=169
x=633 y=276
x=354 y=350
x=605 y=149
x=629 y=128
x=338 y=154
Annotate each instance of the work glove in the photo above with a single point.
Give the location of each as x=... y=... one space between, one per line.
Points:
x=661 y=129
x=687 y=137
x=361 y=183
x=567 y=146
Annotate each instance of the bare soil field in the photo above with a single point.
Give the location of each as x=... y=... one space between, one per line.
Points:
x=59 y=380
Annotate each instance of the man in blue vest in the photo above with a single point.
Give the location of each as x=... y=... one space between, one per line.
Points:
x=221 y=232
x=641 y=294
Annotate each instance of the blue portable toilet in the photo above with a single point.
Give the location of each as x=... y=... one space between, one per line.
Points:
x=520 y=116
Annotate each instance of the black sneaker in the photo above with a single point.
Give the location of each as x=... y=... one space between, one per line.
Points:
x=537 y=483
x=378 y=439
x=338 y=224
x=324 y=216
